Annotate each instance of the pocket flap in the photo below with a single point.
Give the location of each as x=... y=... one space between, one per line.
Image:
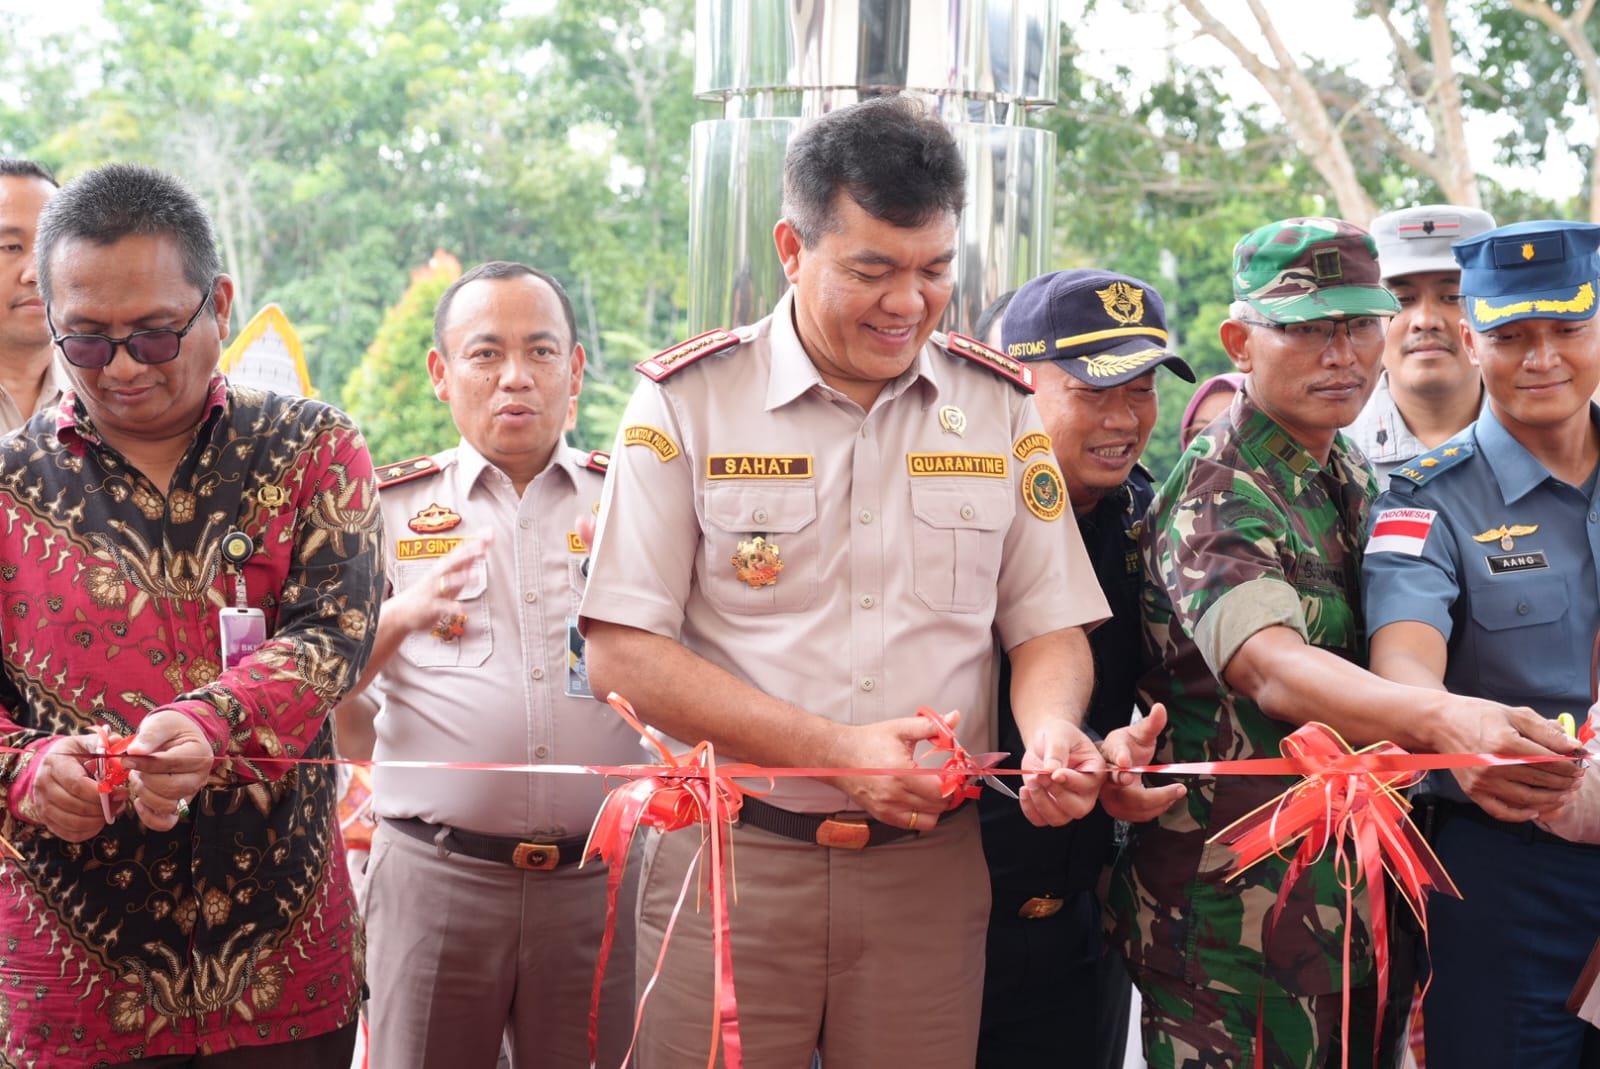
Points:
x=1502 y=606
x=772 y=509
x=968 y=504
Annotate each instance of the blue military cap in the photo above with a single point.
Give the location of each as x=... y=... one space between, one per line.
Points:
x=1100 y=327
x=1543 y=269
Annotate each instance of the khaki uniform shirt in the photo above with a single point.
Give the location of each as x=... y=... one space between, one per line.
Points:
x=51 y=387
x=499 y=692
x=910 y=536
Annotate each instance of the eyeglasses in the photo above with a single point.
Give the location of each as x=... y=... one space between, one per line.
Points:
x=1316 y=335
x=145 y=346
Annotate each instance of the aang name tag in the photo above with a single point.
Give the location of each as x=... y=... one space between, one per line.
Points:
x=1501 y=563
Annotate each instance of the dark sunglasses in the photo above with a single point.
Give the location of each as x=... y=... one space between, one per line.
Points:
x=145 y=346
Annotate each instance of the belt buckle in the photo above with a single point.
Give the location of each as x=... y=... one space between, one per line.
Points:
x=537 y=857
x=843 y=834
x=1039 y=907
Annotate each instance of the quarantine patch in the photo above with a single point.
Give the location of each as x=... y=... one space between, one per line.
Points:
x=988 y=465
x=1043 y=491
x=1401 y=531
x=654 y=440
x=1031 y=443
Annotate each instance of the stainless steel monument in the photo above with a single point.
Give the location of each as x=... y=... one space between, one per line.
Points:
x=977 y=64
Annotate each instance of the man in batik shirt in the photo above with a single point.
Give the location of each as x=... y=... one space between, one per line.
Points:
x=1252 y=555
x=202 y=905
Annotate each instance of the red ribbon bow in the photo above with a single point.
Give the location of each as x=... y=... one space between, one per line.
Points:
x=1362 y=816
x=685 y=789
x=961 y=775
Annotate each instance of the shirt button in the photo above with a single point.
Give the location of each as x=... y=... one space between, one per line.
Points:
x=524 y=523
x=531 y=596
x=1594 y=517
x=867 y=602
x=541 y=752
x=537 y=673
x=760 y=516
x=1522 y=608
x=866 y=515
x=967 y=512
x=868 y=683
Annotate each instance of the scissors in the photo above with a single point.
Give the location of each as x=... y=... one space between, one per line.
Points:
x=989 y=760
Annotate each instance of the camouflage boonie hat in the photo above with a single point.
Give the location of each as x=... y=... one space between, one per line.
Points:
x=1297 y=270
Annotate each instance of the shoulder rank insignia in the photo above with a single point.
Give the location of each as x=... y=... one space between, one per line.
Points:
x=993 y=359
x=598 y=461
x=405 y=471
x=1505 y=534
x=1435 y=462
x=673 y=360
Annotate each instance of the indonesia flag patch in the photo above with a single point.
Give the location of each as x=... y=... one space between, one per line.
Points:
x=1401 y=531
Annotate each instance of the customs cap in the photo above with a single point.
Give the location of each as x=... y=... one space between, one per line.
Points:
x=1414 y=240
x=1297 y=270
x=1100 y=327
x=1543 y=269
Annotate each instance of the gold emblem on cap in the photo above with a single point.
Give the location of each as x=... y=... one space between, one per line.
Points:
x=1527 y=250
x=1506 y=534
x=1124 y=302
x=953 y=421
x=272 y=497
x=756 y=562
x=1108 y=364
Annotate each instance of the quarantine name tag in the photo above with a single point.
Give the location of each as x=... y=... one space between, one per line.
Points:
x=577 y=669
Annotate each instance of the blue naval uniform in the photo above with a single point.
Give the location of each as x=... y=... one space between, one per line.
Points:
x=1478 y=540
x=1048 y=972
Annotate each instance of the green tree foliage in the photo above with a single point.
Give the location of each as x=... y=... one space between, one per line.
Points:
x=1159 y=181
x=389 y=394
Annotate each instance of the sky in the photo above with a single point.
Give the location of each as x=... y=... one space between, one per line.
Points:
x=1138 y=32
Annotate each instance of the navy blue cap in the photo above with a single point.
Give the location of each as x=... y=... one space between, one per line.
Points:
x=1100 y=327
x=1544 y=269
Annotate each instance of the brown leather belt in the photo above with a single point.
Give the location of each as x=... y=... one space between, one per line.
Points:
x=503 y=849
x=855 y=833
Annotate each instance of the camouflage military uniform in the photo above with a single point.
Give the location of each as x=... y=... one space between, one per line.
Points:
x=1248 y=532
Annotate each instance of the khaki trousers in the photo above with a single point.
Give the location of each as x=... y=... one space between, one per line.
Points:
x=874 y=957
x=461 y=952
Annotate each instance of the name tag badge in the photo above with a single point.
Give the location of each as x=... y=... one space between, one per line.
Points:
x=577 y=668
x=242 y=633
x=1504 y=563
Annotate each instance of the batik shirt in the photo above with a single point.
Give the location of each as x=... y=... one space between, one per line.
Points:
x=237 y=927
x=1248 y=532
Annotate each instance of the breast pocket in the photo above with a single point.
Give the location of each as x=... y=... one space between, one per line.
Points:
x=786 y=517
x=1525 y=645
x=957 y=536
x=435 y=648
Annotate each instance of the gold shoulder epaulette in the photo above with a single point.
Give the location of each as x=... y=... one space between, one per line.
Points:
x=996 y=361
x=598 y=461
x=405 y=471
x=673 y=360
x=1419 y=470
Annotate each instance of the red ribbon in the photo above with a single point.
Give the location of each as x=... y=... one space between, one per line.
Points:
x=1345 y=806
x=684 y=789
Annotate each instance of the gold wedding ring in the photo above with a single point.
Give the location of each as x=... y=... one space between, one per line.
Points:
x=913 y=824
